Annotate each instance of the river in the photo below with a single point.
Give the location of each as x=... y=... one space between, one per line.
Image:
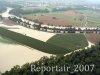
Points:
x=6 y=13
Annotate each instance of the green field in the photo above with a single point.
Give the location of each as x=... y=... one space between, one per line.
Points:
x=54 y=14
x=33 y=43
x=71 y=41
x=58 y=14
x=59 y=44
x=93 y=17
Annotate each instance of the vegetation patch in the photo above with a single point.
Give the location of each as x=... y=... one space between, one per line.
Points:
x=71 y=41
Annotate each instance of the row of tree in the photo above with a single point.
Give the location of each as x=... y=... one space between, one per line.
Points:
x=38 y=26
x=76 y=7
x=19 y=11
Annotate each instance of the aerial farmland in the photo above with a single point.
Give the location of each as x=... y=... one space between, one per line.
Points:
x=36 y=31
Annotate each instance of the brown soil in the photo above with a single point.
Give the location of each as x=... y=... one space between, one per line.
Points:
x=72 y=14
x=9 y=22
x=94 y=38
x=54 y=21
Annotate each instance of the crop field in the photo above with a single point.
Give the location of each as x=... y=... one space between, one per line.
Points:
x=94 y=38
x=65 y=18
x=60 y=19
x=51 y=21
x=59 y=44
x=71 y=41
x=67 y=15
x=92 y=21
x=33 y=43
x=72 y=17
x=93 y=17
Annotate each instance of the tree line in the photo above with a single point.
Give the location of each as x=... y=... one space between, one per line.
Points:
x=76 y=7
x=19 y=11
x=39 y=26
